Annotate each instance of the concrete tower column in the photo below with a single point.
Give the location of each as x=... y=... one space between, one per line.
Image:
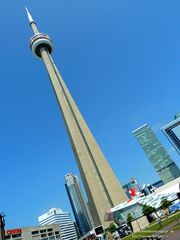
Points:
x=102 y=186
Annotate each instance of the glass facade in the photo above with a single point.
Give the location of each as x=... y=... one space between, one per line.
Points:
x=135 y=211
x=172 y=132
x=160 y=159
x=78 y=204
x=158 y=184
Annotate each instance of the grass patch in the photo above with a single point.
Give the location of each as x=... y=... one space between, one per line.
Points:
x=165 y=222
x=154 y=227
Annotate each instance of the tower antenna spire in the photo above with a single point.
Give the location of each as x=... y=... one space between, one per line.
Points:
x=32 y=22
x=29 y=16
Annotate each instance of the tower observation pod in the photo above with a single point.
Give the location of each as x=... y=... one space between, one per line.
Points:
x=102 y=187
x=40 y=41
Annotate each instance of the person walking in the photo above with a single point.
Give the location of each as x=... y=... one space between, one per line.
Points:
x=159 y=221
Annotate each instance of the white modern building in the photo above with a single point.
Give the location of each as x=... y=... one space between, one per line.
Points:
x=57 y=216
x=134 y=206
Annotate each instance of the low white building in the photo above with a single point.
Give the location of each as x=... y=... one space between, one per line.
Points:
x=57 y=216
x=171 y=187
x=48 y=232
x=120 y=212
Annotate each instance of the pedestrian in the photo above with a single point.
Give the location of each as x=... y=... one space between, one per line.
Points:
x=159 y=221
x=166 y=213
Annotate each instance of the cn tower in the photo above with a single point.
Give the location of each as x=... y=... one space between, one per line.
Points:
x=102 y=186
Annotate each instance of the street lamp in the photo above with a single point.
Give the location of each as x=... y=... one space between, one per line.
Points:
x=2 y=224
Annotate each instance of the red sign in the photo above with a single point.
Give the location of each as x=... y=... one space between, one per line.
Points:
x=14 y=231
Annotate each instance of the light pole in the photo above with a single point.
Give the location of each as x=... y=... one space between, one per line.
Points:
x=2 y=224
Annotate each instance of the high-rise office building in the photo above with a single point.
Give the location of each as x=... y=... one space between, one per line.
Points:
x=78 y=204
x=160 y=159
x=57 y=216
x=172 y=132
x=102 y=186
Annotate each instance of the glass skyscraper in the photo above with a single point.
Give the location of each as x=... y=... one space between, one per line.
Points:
x=160 y=159
x=172 y=132
x=78 y=204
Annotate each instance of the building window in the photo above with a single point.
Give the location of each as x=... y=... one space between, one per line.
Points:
x=43 y=235
x=35 y=232
x=8 y=237
x=52 y=238
x=50 y=229
x=16 y=235
x=43 y=231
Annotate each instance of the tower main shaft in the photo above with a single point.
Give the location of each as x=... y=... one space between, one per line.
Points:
x=102 y=186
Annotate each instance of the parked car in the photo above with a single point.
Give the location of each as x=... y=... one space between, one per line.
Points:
x=124 y=230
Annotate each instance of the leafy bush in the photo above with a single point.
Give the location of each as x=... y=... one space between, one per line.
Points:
x=112 y=228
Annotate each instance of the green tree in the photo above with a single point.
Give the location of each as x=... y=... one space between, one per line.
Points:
x=165 y=203
x=112 y=227
x=129 y=218
x=147 y=211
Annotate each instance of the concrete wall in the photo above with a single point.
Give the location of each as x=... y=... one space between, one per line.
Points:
x=140 y=224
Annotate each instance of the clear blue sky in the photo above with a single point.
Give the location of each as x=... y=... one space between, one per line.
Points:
x=121 y=61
